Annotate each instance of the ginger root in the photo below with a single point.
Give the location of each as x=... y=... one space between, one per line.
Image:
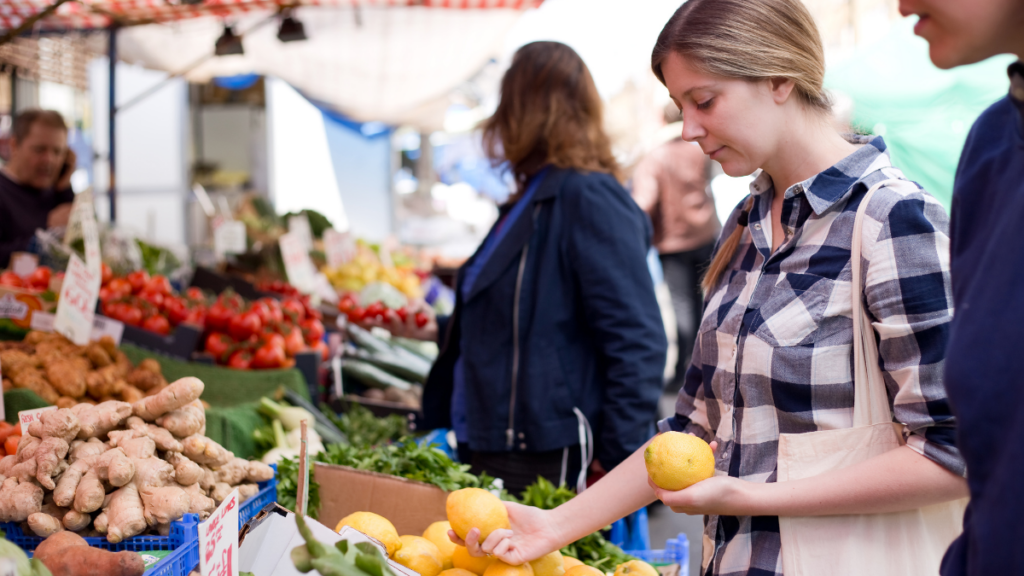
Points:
x=125 y=514
x=201 y=504
x=174 y=396
x=75 y=521
x=43 y=524
x=185 y=421
x=19 y=500
x=49 y=456
x=97 y=420
x=186 y=472
x=115 y=467
x=61 y=423
x=247 y=491
x=164 y=504
x=164 y=439
x=258 y=471
x=32 y=379
x=203 y=450
x=233 y=472
x=147 y=375
x=66 y=378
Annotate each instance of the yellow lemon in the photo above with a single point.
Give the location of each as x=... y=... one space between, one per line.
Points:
x=635 y=568
x=570 y=562
x=374 y=526
x=456 y=572
x=499 y=568
x=475 y=508
x=675 y=460
x=419 y=555
x=549 y=565
x=438 y=534
x=583 y=570
x=462 y=559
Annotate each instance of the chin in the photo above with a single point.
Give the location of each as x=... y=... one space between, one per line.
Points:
x=737 y=169
x=946 y=54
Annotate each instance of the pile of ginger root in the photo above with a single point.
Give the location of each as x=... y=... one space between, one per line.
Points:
x=64 y=374
x=120 y=469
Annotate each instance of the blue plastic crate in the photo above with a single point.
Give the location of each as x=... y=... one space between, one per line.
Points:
x=677 y=551
x=631 y=533
x=182 y=531
x=266 y=495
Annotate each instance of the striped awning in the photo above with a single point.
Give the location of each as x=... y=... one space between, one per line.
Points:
x=90 y=14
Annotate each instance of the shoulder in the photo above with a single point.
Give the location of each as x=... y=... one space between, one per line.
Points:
x=902 y=206
x=588 y=187
x=991 y=133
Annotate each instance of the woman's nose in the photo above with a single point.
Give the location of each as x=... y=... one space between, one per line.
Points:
x=692 y=130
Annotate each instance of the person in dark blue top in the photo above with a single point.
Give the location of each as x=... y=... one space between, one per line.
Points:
x=984 y=373
x=552 y=362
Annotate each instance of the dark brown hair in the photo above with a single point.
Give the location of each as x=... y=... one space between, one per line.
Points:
x=24 y=121
x=753 y=40
x=550 y=113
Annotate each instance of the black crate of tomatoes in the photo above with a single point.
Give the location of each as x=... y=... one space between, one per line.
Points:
x=260 y=334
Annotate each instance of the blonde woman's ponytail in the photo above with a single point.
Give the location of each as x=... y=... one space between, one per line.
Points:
x=726 y=251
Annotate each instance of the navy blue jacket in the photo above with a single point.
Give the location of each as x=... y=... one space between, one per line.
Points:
x=984 y=364
x=590 y=335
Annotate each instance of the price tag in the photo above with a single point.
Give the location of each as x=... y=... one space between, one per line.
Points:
x=27 y=417
x=229 y=238
x=77 y=304
x=103 y=326
x=218 y=540
x=11 y=307
x=299 y=225
x=339 y=247
x=41 y=322
x=297 y=264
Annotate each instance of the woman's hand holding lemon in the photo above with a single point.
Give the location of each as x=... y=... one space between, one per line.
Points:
x=532 y=534
x=681 y=471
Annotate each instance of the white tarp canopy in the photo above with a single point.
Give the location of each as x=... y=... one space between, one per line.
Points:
x=393 y=65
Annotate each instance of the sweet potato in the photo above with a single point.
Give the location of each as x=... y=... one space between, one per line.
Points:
x=67 y=554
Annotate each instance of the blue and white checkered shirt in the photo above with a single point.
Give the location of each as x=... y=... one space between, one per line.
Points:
x=774 y=350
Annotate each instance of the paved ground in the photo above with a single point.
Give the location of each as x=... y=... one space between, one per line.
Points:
x=663 y=523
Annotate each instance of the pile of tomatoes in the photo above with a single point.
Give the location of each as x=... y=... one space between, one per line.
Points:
x=349 y=306
x=38 y=280
x=279 y=287
x=264 y=333
x=149 y=302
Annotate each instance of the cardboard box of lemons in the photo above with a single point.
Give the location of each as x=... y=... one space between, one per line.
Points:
x=583 y=570
x=635 y=568
x=456 y=572
x=499 y=568
x=438 y=534
x=475 y=508
x=549 y=565
x=462 y=559
x=569 y=562
x=374 y=526
x=419 y=555
x=676 y=460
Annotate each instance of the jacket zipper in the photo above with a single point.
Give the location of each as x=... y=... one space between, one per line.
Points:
x=510 y=431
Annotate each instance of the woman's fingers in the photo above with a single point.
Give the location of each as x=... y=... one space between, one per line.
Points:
x=494 y=539
x=455 y=538
x=714 y=446
x=473 y=543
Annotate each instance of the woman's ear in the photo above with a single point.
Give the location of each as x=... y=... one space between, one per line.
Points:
x=781 y=89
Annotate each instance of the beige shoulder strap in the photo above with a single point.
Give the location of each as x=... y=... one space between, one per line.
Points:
x=871 y=404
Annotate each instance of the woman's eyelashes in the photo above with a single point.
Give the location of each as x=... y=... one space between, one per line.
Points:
x=705 y=104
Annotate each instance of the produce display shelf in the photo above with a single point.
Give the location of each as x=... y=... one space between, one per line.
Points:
x=677 y=551
x=182 y=532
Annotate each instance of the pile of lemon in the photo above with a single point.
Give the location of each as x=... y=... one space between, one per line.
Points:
x=433 y=554
x=366 y=269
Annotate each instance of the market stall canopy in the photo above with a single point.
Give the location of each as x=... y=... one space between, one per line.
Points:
x=392 y=61
x=923 y=113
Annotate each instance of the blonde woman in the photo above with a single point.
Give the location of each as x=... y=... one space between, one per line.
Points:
x=774 y=351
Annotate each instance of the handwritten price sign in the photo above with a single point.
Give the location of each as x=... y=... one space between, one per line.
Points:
x=297 y=264
x=75 y=309
x=218 y=540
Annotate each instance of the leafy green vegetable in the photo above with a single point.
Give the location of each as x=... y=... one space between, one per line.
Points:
x=264 y=439
x=157 y=260
x=317 y=221
x=593 y=549
x=288 y=487
x=364 y=429
x=407 y=459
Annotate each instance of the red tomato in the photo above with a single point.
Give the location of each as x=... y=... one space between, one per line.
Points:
x=274 y=339
x=40 y=278
x=268 y=356
x=158 y=283
x=196 y=317
x=421 y=319
x=194 y=293
x=138 y=280
x=176 y=309
x=131 y=314
x=157 y=323
x=276 y=312
x=321 y=347
x=217 y=344
x=403 y=314
x=232 y=300
x=357 y=314
x=294 y=308
x=346 y=304
x=9 y=278
x=261 y=309
x=293 y=342
x=156 y=299
x=106 y=274
x=312 y=330
x=311 y=311
x=105 y=294
x=219 y=316
x=240 y=360
x=119 y=287
x=375 y=310
x=244 y=325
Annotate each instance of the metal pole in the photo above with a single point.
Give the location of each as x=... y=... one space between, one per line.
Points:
x=112 y=115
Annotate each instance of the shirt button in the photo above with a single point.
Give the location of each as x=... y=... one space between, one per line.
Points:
x=522 y=446
x=757 y=226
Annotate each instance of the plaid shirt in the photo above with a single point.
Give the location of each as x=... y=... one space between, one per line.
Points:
x=774 y=351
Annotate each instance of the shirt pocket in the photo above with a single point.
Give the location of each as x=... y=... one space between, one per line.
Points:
x=796 y=308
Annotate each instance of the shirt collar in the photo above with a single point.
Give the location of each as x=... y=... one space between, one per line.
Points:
x=1016 y=72
x=826 y=189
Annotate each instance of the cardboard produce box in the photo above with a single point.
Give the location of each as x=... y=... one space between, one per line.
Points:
x=411 y=506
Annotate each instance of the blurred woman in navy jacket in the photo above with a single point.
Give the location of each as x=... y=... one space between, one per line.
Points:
x=553 y=358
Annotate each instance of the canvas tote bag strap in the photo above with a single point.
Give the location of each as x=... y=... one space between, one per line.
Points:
x=870 y=404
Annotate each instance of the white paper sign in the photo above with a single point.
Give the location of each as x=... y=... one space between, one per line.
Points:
x=77 y=304
x=41 y=322
x=27 y=417
x=299 y=225
x=218 y=540
x=297 y=264
x=339 y=247
x=229 y=238
x=11 y=307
